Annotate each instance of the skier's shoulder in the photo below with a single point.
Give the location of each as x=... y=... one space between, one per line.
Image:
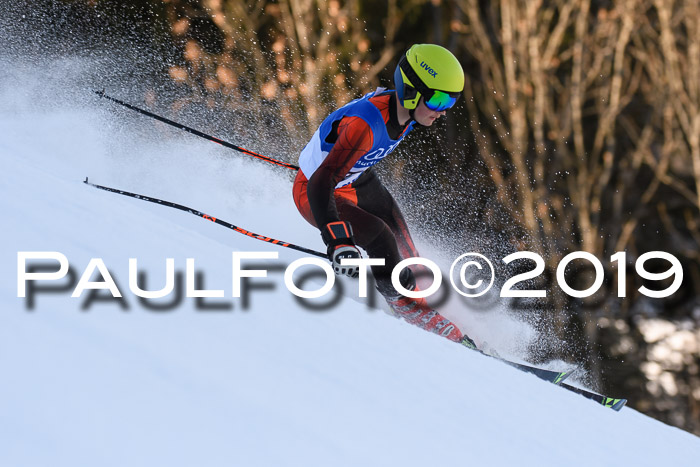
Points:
x=382 y=100
x=363 y=110
x=378 y=97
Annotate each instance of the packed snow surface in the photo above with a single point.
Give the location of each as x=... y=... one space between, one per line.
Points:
x=113 y=383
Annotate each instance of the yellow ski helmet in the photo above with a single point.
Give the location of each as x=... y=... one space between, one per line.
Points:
x=430 y=71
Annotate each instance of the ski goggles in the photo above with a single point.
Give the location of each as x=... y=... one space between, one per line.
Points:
x=440 y=100
x=433 y=99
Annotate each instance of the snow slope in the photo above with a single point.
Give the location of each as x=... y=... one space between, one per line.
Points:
x=274 y=385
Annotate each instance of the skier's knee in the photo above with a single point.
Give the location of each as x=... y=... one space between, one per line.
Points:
x=386 y=288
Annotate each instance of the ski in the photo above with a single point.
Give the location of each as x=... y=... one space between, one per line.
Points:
x=556 y=377
x=611 y=402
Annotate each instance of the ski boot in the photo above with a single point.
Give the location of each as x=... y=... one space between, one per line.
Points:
x=416 y=311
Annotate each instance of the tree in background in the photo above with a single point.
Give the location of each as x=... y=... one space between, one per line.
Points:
x=304 y=56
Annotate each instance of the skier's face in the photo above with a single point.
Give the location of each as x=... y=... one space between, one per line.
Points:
x=424 y=116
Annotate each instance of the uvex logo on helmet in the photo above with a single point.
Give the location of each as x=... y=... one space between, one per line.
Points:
x=428 y=69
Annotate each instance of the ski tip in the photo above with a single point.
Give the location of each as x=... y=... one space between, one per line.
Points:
x=615 y=404
x=619 y=404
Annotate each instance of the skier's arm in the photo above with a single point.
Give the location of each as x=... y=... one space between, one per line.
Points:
x=354 y=139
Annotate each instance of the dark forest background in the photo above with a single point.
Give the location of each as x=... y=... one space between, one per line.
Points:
x=579 y=130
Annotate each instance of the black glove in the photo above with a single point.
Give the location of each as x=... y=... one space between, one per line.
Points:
x=338 y=238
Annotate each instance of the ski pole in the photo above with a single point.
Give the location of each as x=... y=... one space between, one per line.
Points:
x=198 y=133
x=210 y=218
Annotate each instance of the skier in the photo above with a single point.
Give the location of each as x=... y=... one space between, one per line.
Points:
x=337 y=191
